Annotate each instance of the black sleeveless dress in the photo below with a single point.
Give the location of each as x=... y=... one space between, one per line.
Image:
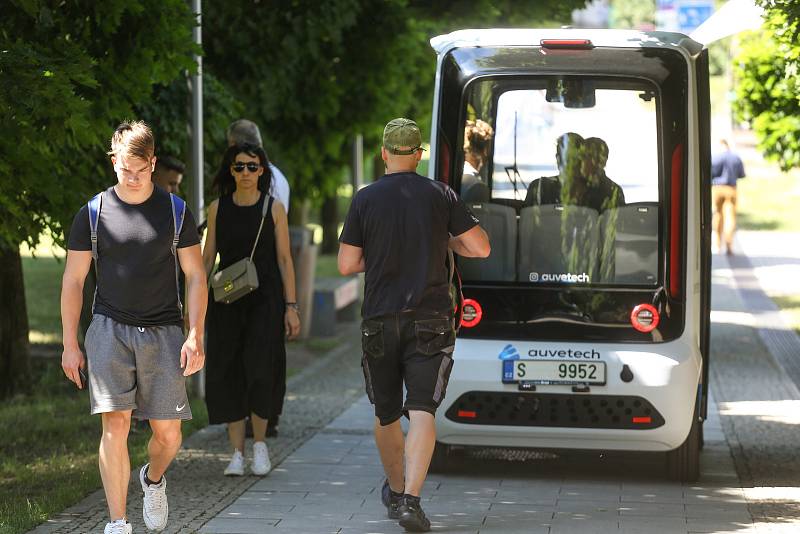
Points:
x=246 y=354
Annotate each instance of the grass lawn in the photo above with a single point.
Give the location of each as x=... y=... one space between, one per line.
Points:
x=49 y=461
x=767 y=199
x=42 y=295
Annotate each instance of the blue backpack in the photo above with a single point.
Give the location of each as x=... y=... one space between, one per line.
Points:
x=178 y=214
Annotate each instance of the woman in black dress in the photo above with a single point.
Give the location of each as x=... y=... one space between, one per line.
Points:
x=246 y=355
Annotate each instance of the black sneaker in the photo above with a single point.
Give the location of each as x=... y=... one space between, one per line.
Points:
x=412 y=518
x=390 y=500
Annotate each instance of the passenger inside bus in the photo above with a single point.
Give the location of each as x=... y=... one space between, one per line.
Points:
x=602 y=192
x=582 y=180
x=547 y=190
x=477 y=141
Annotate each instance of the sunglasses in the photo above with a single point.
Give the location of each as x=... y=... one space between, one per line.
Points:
x=251 y=166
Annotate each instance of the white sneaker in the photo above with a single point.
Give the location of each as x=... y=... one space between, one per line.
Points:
x=155 y=509
x=120 y=526
x=236 y=466
x=261 y=464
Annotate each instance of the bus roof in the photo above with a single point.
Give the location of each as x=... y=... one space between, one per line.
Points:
x=500 y=37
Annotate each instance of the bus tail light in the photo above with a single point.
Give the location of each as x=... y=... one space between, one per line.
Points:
x=643 y=420
x=644 y=318
x=472 y=313
x=467 y=413
x=573 y=44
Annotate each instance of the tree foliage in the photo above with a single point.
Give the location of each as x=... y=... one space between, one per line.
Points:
x=314 y=74
x=633 y=14
x=69 y=72
x=768 y=82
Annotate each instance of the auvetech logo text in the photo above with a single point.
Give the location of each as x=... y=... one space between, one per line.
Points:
x=559 y=277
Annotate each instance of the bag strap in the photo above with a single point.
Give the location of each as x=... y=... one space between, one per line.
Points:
x=267 y=208
x=94 y=206
x=178 y=216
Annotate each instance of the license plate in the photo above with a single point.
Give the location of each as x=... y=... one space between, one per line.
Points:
x=547 y=372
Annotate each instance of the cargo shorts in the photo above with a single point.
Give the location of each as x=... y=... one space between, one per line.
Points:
x=411 y=350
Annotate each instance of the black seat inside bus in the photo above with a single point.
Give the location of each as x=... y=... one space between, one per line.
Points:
x=514 y=203
x=555 y=240
x=476 y=192
x=500 y=222
x=629 y=243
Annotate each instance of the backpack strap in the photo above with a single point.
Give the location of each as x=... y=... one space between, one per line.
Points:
x=94 y=206
x=178 y=216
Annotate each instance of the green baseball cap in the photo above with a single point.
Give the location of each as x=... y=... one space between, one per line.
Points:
x=402 y=133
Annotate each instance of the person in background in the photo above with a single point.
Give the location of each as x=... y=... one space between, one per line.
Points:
x=602 y=192
x=477 y=142
x=726 y=169
x=246 y=338
x=551 y=189
x=169 y=174
x=398 y=232
x=246 y=132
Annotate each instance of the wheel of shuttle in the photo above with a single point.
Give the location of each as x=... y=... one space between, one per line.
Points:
x=441 y=458
x=683 y=464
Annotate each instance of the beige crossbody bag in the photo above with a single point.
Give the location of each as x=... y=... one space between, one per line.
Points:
x=239 y=279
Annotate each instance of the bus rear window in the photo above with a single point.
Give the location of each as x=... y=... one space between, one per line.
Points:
x=563 y=174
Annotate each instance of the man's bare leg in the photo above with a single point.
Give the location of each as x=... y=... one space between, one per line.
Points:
x=420 y=442
x=115 y=464
x=389 y=440
x=163 y=446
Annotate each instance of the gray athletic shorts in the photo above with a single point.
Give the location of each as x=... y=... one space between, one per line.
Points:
x=136 y=368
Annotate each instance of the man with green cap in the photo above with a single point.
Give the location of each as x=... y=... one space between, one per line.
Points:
x=398 y=232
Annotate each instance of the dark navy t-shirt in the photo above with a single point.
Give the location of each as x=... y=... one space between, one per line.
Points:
x=135 y=266
x=726 y=168
x=403 y=223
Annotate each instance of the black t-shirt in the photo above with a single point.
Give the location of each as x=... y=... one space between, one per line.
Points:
x=403 y=222
x=135 y=265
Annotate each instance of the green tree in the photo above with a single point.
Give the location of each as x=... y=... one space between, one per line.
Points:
x=69 y=72
x=633 y=14
x=313 y=75
x=768 y=82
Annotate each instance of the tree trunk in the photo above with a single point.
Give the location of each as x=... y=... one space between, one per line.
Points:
x=330 y=225
x=14 y=350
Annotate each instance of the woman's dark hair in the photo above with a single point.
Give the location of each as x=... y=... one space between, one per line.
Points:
x=224 y=182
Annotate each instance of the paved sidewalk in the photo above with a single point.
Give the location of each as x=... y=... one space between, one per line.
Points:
x=755 y=374
x=332 y=484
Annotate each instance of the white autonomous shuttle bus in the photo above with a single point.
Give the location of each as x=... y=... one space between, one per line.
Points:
x=588 y=325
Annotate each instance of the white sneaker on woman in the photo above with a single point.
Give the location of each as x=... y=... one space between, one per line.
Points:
x=120 y=526
x=261 y=464
x=155 y=509
x=236 y=466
